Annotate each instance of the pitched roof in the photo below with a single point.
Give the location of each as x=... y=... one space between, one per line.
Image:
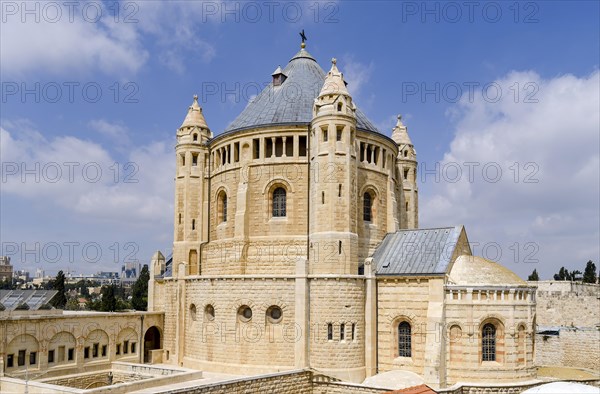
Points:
x=417 y=252
x=292 y=101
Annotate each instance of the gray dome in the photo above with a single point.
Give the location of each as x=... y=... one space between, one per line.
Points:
x=292 y=101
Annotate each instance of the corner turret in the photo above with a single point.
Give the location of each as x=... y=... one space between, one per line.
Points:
x=406 y=164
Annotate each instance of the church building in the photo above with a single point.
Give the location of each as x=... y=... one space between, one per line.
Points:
x=297 y=245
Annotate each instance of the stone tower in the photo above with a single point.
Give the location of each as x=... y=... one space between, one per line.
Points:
x=406 y=164
x=191 y=190
x=333 y=211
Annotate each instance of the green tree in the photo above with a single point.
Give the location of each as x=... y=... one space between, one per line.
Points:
x=109 y=301
x=72 y=304
x=139 y=291
x=534 y=276
x=60 y=300
x=589 y=274
x=7 y=284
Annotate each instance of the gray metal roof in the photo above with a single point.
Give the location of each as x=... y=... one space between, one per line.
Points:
x=416 y=252
x=292 y=101
x=11 y=299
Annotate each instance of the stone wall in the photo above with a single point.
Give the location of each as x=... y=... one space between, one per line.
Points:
x=68 y=338
x=511 y=310
x=564 y=303
x=571 y=348
x=96 y=379
x=298 y=382
x=402 y=299
x=339 y=302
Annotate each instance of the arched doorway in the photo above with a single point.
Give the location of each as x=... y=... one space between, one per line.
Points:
x=151 y=342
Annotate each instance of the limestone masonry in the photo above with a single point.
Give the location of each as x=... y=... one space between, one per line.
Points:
x=296 y=245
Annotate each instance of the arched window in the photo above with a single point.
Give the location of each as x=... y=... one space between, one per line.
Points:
x=404 y=339
x=222 y=206
x=488 y=342
x=279 y=202
x=522 y=354
x=367 y=207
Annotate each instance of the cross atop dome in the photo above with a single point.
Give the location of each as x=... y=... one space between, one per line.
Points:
x=303 y=36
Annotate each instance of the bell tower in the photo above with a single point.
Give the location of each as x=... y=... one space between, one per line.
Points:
x=191 y=189
x=333 y=211
x=406 y=165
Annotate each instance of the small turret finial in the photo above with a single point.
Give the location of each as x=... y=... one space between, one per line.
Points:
x=333 y=61
x=399 y=117
x=195 y=97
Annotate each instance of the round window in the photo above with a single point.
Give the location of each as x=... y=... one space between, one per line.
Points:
x=245 y=313
x=209 y=312
x=274 y=314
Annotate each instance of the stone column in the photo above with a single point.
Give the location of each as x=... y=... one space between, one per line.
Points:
x=180 y=322
x=302 y=314
x=434 y=371
x=370 y=319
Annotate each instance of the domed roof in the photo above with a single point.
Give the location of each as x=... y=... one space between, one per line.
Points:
x=292 y=101
x=477 y=271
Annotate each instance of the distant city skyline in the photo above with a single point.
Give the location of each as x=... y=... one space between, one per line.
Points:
x=500 y=100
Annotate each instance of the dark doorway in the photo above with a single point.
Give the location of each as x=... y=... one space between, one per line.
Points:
x=151 y=342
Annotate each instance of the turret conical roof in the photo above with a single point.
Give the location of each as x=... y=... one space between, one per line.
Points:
x=400 y=133
x=334 y=81
x=194 y=116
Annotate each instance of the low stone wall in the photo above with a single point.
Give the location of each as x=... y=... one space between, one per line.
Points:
x=573 y=347
x=298 y=382
x=97 y=379
x=12 y=385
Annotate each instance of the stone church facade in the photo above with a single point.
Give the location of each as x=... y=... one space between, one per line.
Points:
x=296 y=244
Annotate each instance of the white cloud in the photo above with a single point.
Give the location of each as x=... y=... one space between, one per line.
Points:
x=357 y=74
x=78 y=42
x=552 y=199
x=65 y=47
x=81 y=177
x=115 y=131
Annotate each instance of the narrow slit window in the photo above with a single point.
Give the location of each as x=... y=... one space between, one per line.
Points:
x=302 y=146
x=329 y=332
x=367 y=204
x=342 y=331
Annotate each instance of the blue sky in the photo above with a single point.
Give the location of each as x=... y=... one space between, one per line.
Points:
x=537 y=120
